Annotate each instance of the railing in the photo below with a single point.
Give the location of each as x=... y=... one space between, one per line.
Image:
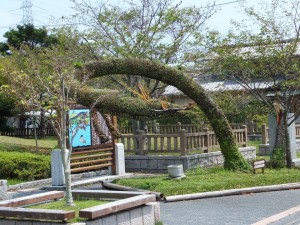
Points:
x=252 y=128
x=265 y=133
x=180 y=143
x=28 y=132
x=93 y=158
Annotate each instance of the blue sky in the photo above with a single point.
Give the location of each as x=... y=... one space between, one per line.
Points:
x=43 y=11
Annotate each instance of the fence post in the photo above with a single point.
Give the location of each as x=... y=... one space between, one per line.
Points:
x=206 y=130
x=264 y=134
x=251 y=127
x=178 y=126
x=120 y=159
x=245 y=135
x=183 y=142
x=141 y=142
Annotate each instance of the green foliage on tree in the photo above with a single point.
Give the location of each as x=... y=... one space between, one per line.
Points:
x=146 y=68
x=156 y=29
x=28 y=35
x=44 y=79
x=265 y=61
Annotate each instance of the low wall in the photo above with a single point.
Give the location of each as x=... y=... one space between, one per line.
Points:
x=264 y=148
x=3 y=189
x=48 y=182
x=159 y=164
x=146 y=214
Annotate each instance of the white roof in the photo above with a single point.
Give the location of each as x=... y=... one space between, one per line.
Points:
x=214 y=86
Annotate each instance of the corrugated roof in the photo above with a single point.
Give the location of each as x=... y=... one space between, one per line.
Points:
x=218 y=85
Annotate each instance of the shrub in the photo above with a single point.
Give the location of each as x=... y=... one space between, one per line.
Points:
x=24 y=166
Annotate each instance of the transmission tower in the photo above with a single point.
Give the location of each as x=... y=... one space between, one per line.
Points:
x=27 y=12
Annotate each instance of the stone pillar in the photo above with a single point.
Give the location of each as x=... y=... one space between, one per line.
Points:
x=183 y=142
x=57 y=169
x=3 y=189
x=120 y=159
x=291 y=130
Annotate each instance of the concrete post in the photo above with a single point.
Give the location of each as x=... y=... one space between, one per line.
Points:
x=206 y=130
x=3 y=189
x=291 y=131
x=245 y=135
x=264 y=135
x=178 y=127
x=141 y=142
x=120 y=159
x=183 y=142
x=57 y=169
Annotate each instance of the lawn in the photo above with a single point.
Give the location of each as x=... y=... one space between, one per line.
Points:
x=213 y=179
x=79 y=204
x=25 y=144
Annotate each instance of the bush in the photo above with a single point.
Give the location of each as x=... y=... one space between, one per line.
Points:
x=24 y=166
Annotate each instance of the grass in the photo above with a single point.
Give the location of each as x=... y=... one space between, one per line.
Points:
x=28 y=145
x=213 y=179
x=14 y=181
x=80 y=204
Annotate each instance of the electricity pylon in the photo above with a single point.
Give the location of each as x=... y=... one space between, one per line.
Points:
x=27 y=12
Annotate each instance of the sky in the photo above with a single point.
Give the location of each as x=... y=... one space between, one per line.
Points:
x=11 y=12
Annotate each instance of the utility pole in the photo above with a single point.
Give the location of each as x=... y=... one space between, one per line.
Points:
x=27 y=12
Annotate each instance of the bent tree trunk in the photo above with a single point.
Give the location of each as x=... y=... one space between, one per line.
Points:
x=146 y=68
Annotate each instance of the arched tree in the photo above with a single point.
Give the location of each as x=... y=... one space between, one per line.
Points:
x=146 y=68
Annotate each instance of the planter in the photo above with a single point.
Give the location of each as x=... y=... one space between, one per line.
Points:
x=175 y=171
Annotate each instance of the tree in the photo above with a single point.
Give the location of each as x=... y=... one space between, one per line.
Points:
x=151 y=29
x=266 y=60
x=49 y=71
x=146 y=68
x=27 y=34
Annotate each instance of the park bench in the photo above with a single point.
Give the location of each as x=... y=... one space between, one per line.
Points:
x=259 y=164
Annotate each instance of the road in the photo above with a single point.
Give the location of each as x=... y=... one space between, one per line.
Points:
x=235 y=210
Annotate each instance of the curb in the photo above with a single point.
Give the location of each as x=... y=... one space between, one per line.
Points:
x=213 y=194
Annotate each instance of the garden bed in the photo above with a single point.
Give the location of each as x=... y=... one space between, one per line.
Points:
x=125 y=207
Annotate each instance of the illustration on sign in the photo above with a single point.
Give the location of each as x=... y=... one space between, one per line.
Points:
x=80 y=127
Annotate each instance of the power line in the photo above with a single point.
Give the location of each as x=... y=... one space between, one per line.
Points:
x=228 y=3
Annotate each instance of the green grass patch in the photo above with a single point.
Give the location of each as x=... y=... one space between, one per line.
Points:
x=79 y=204
x=14 y=181
x=27 y=145
x=214 y=179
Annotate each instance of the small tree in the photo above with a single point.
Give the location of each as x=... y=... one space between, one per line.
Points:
x=49 y=71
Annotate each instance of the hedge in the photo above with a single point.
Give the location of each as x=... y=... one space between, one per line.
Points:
x=24 y=166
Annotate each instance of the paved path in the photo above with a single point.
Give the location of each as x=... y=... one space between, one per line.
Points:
x=236 y=210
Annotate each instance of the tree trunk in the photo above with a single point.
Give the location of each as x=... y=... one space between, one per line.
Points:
x=145 y=68
x=288 y=155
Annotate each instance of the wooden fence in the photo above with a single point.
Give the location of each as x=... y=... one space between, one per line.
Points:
x=93 y=158
x=28 y=132
x=265 y=133
x=182 y=142
x=252 y=128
